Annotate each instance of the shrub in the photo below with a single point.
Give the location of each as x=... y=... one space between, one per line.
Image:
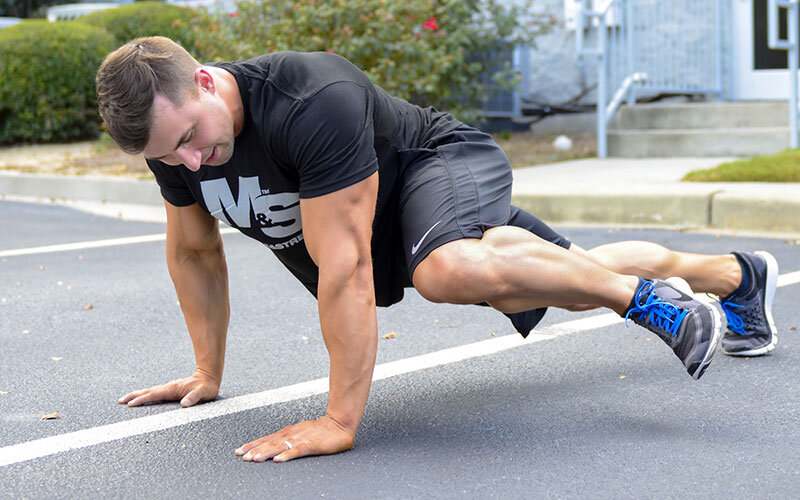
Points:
x=149 y=19
x=431 y=52
x=47 y=89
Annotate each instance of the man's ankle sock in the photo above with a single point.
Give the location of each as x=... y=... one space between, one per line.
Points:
x=745 y=283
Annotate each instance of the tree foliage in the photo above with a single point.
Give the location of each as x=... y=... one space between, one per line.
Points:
x=431 y=52
x=127 y=22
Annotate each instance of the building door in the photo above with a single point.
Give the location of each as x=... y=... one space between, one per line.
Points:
x=759 y=72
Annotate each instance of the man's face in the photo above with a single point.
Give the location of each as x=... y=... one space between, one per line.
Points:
x=198 y=132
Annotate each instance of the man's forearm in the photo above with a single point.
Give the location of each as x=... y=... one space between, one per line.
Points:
x=349 y=327
x=201 y=282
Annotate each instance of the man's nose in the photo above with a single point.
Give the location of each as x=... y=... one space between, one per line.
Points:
x=190 y=157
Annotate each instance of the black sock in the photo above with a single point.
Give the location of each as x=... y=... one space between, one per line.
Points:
x=633 y=303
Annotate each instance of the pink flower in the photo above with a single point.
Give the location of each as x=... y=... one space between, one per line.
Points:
x=431 y=24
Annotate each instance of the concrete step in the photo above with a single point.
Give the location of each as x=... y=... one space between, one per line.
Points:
x=697 y=142
x=704 y=115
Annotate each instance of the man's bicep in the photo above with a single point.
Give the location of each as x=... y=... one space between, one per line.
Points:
x=189 y=228
x=338 y=226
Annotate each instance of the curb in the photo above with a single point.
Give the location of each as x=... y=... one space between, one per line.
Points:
x=101 y=189
x=729 y=211
x=747 y=211
x=685 y=210
x=740 y=211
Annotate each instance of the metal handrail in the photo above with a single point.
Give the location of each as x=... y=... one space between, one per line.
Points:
x=630 y=35
x=604 y=111
x=791 y=45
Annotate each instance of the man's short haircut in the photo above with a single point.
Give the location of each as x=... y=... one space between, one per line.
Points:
x=129 y=80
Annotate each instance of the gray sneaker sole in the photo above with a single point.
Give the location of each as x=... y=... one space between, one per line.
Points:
x=772 y=284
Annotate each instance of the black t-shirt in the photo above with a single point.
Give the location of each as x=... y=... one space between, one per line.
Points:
x=313 y=124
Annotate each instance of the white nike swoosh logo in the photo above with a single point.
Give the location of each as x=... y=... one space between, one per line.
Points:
x=414 y=248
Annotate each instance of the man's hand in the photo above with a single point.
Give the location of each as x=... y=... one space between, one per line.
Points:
x=323 y=436
x=189 y=390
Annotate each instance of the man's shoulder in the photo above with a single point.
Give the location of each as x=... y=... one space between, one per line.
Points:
x=301 y=75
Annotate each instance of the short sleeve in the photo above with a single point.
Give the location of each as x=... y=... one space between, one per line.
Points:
x=173 y=186
x=330 y=140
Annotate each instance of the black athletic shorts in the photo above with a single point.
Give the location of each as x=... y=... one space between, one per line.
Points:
x=458 y=188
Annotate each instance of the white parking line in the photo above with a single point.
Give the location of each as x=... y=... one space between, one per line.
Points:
x=83 y=245
x=789 y=279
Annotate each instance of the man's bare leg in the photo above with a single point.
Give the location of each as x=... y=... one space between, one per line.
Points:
x=522 y=271
x=751 y=330
x=717 y=274
x=515 y=271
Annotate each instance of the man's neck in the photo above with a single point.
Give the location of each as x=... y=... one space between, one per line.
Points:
x=228 y=90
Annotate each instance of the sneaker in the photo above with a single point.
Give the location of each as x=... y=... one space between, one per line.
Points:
x=751 y=329
x=689 y=327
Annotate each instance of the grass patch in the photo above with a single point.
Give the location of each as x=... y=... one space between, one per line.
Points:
x=778 y=167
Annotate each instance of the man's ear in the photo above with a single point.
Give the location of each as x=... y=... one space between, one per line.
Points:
x=204 y=80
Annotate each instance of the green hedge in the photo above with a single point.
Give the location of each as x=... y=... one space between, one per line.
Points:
x=47 y=88
x=149 y=19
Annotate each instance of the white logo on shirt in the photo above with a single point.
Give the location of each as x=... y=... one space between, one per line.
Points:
x=276 y=214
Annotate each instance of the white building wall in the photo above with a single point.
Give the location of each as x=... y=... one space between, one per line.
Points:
x=555 y=73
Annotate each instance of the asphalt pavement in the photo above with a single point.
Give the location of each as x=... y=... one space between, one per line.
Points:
x=463 y=408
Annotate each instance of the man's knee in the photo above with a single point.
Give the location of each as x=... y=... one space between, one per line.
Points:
x=432 y=275
x=458 y=272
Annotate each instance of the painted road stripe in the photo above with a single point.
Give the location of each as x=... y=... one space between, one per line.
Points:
x=83 y=245
x=44 y=447
x=40 y=448
x=789 y=279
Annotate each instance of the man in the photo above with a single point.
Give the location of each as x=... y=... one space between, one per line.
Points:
x=359 y=195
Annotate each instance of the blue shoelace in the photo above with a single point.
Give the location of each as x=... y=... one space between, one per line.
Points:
x=735 y=322
x=661 y=314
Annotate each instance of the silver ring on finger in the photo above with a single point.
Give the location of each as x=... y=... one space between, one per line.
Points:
x=289 y=445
